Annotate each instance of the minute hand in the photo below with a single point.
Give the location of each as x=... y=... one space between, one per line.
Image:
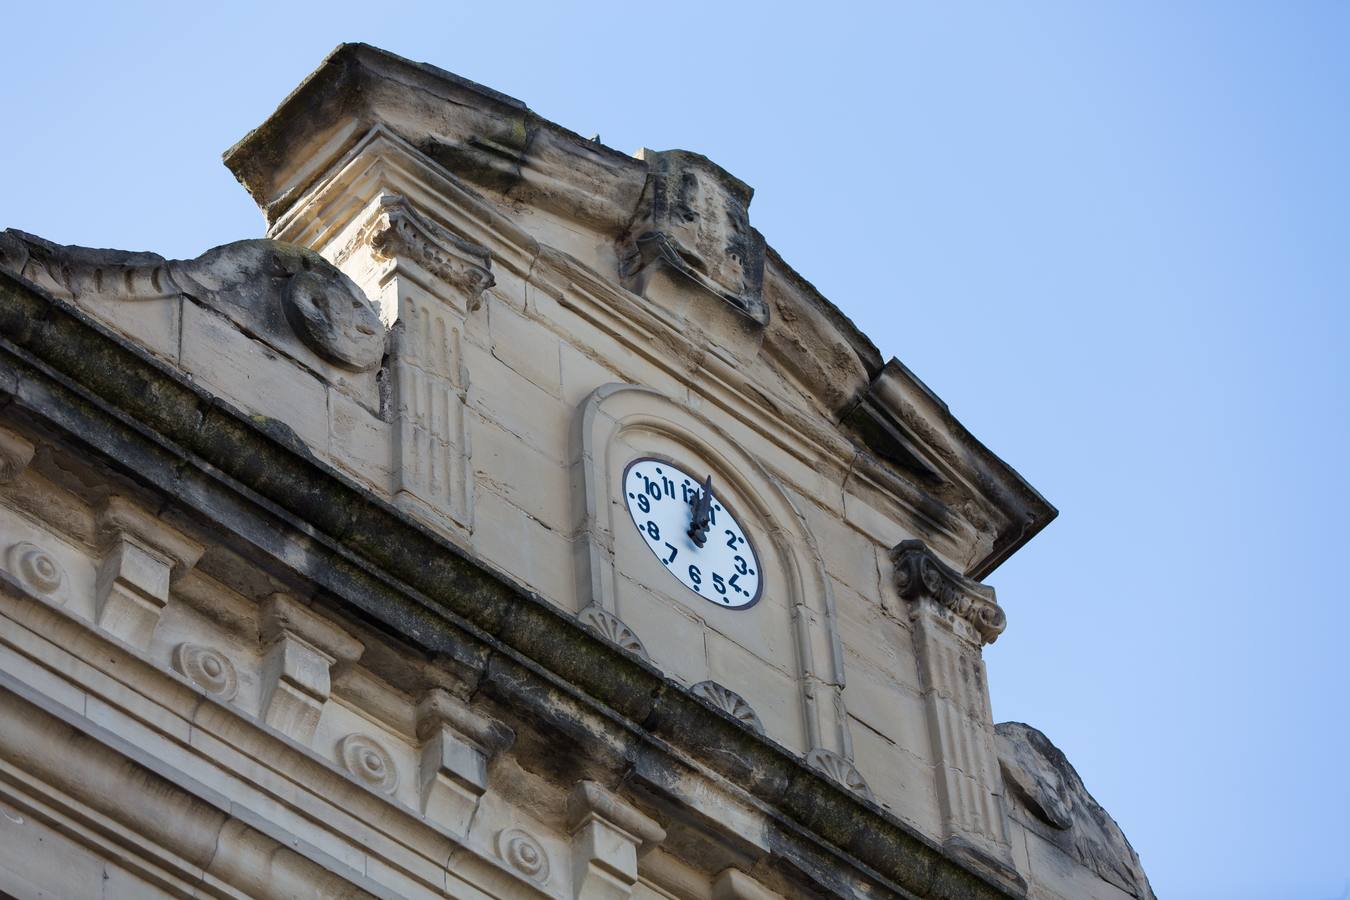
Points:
x=702 y=515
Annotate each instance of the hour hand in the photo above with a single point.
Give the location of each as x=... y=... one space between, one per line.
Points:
x=702 y=515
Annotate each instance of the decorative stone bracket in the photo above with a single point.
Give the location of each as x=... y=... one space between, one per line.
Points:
x=457 y=746
x=395 y=232
x=953 y=617
x=608 y=835
x=301 y=649
x=968 y=606
x=142 y=556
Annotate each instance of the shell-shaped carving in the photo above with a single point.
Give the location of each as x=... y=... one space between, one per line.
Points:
x=35 y=567
x=519 y=850
x=611 y=628
x=730 y=702
x=208 y=669
x=839 y=770
x=368 y=762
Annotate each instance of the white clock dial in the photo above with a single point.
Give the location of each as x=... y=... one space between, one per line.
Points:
x=661 y=498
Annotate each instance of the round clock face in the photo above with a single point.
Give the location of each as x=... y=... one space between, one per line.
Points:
x=664 y=501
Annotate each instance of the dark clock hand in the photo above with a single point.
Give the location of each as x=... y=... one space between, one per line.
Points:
x=702 y=515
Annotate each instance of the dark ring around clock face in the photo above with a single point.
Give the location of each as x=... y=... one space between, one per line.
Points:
x=658 y=495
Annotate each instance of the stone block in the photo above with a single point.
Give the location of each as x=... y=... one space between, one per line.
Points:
x=497 y=392
x=674 y=639
x=848 y=554
x=532 y=481
x=150 y=322
x=502 y=529
x=874 y=637
x=295 y=687
x=1057 y=875
x=774 y=696
x=360 y=441
x=16 y=452
x=132 y=590
x=581 y=374
x=254 y=376
x=457 y=746
x=887 y=707
x=900 y=780
x=527 y=346
x=884 y=528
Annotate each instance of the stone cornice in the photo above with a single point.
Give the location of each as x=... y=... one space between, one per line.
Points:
x=920 y=576
x=904 y=423
x=72 y=376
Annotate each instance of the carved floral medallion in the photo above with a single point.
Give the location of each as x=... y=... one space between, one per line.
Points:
x=208 y=669
x=368 y=762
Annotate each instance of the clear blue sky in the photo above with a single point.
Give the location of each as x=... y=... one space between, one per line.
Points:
x=1113 y=237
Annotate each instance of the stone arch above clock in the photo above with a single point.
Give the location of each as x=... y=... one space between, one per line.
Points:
x=783 y=653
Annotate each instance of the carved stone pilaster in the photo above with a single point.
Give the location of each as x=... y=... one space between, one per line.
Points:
x=608 y=835
x=693 y=225
x=953 y=618
x=301 y=649
x=141 y=557
x=434 y=279
x=457 y=746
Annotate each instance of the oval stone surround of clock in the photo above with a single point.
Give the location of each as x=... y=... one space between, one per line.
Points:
x=692 y=533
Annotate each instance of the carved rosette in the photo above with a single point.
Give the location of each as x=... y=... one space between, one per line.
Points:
x=35 y=568
x=396 y=231
x=519 y=850
x=919 y=576
x=730 y=702
x=611 y=628
x=368 y=762
x=839 y=770
x=208 y=669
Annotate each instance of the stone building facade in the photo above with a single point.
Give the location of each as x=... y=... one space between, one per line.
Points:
x=328 y=565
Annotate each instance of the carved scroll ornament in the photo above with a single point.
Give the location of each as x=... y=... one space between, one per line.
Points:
x=397 y=231
x=920 y=575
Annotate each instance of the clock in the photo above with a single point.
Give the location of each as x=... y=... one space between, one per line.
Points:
x=693 y=533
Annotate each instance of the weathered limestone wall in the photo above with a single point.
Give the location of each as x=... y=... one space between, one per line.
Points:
x=486 y=354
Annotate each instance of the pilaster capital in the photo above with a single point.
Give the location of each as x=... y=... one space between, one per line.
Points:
x=928 y=582
x=396 y=230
